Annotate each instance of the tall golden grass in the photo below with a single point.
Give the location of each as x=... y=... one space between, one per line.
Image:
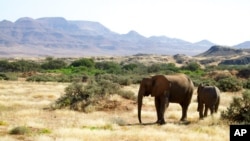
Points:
x=24 y=104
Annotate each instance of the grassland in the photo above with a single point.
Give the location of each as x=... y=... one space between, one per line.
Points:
x=24 y=104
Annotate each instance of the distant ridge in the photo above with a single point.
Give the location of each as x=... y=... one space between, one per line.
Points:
x=220 y=51
x=56 y=36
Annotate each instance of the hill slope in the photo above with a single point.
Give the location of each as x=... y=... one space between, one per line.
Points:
x=221 y=51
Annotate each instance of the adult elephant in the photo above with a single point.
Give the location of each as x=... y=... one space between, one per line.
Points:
x=170 y=88
x=208 y=96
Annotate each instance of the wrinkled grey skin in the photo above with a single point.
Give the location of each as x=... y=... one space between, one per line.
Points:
x=208 y=96
x=169 y=88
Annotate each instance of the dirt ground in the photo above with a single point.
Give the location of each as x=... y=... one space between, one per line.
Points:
x=24 y=104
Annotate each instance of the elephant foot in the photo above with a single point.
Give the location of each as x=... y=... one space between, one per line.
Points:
x=201 y=118
x=183 y=119
x=160 y=122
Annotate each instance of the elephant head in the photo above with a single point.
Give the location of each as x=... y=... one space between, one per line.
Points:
x=157 y=86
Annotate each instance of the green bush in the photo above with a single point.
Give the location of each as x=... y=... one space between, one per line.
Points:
x=73 y=94
x=230 y=84
x=192 y=66
x=163 y=67
x=18 y=66
x=3 y=76
x=20 y=130
x=109 y=67
x=129 y=67
x=246 y=84
x=239 y=109
x=94 y=94
x=8 y=76
x=120 y=79
x=85 y=62
x=53 y=64
x=78 y=97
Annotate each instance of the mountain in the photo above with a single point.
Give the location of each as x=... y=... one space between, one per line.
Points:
x=217 y=50
x=244 y=45
x=204 y=43
x=57 y=36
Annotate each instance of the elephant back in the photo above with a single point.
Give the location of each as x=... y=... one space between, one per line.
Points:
x=208 y=92
x=181 y=89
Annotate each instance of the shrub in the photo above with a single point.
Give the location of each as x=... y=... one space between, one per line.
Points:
x=244 y=73
x=109 y=67
x=20 y=130
x=229 y=84
x=129 y=67
x=89 y=63
x=3 y=76
x=78 y=97
x=53 y=64
x=8 y=76
x=154 y=68
x=127 y=94
x=18 y=66
x=163 y=67
x=4 y=66
x=246 y=84
x=73 y=93
x=120 y=79
x=239 y=109
x=192 y=66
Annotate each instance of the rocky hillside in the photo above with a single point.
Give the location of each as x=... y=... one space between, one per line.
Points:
x=221 y=51
x=225 y=55
x=58 y=36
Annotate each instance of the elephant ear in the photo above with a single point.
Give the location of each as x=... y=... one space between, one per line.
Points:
x=160 y=85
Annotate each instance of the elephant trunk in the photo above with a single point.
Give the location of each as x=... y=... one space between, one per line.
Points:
x=140 y=98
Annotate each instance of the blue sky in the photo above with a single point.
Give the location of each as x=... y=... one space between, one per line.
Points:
x=224 y=22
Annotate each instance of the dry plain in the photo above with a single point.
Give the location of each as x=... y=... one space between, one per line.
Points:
x=23 y=104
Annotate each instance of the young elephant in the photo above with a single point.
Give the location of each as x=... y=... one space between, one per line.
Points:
x=210 y=96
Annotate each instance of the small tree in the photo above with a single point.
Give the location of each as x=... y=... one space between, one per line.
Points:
x=239 y=109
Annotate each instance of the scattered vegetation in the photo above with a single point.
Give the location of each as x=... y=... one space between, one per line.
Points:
x=105 y=78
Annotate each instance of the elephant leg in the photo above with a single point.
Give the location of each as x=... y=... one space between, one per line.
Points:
x=216 y=107
x=160 y=104
x=184 y=112
x=206 y=110
x=157 y=107
x=212 y=109
x=201 y=108
x=162 y=110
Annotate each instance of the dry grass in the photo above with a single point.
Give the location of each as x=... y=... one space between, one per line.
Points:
x=23 y=103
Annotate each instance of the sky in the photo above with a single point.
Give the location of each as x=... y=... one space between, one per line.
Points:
x=223 y=22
